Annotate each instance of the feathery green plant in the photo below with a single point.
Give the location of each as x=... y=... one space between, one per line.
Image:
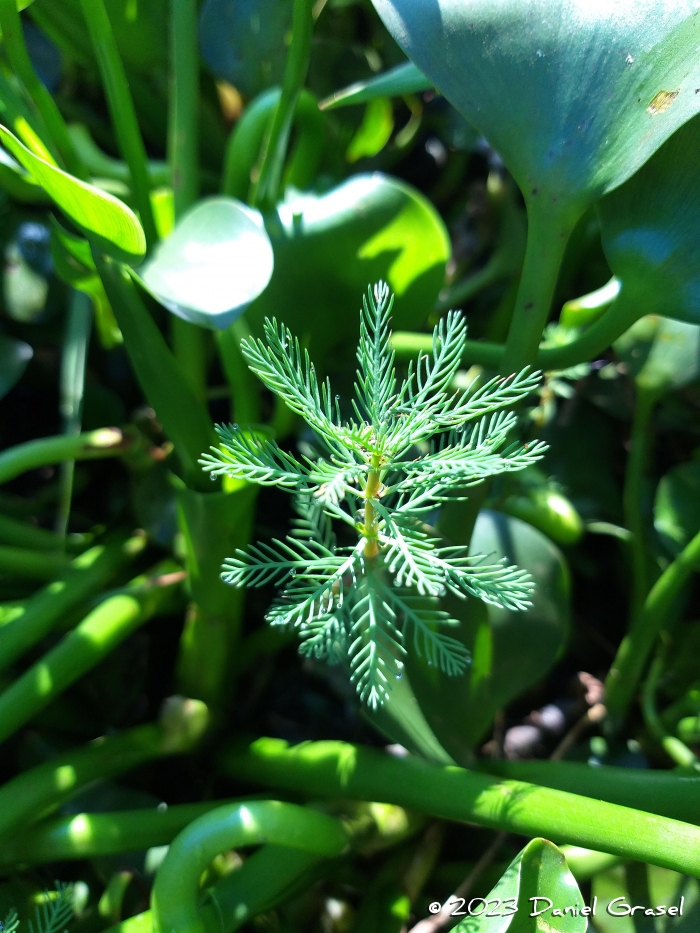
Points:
x=408 y=448
x=52 y=915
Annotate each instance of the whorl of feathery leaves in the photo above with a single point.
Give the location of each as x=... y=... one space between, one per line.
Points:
x=422 y=442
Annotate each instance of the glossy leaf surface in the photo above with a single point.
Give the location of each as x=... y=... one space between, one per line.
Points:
x=107 y=220
x=404 y=79
x=574 y=95
x=216 y=261
x=242 y=41
x=650 y=229
x=539 y=871
x=661 y=354
x=677 y=506
x=14 y=356
x=510 y=650
x=328 y=248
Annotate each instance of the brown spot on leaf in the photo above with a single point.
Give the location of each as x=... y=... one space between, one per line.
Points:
x=662 y=101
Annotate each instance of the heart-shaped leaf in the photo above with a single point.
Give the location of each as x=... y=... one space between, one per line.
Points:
x=14 y=356
x=574 y=95
x=328 y=247
x=242 y=41
x=509 y=650
x=215 y=262
x=661 y=354
x=650 y=230
x=677 y=506
x=105 y=219
x=538 y=881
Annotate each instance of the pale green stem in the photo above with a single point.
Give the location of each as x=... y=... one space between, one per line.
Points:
x=678 y=751
x=94 y=445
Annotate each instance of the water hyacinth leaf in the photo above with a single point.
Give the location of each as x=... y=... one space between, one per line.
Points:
x=216 y=261
x=328 y=247
x=509 y=650
x=374 y=132
x=539 y=871
x=661 y=354
x=14 y=357
x=650 y=228
x=574 y=95
x=677 y=506
x=106 y=220
x=404 y=79
x=242 y=41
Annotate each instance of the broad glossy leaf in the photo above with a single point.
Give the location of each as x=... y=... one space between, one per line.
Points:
x=404 y=79
x=107 y=220
x=327 y=248
x=14 y=356
x=661 y=354
x=510 y=650
x=215 y=262
x=650 y=230
x=539 y=871
x=677 y=506
x=574 y=95
x=242 y=41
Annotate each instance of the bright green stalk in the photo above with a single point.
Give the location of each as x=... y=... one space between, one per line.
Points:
x=83 y=648
x=676 y=750
x=633 y=653
x=32 y=794
x=662 y=792
x=183 y=157
x=87 y=574
x=547 y=237
x=121 y=108
x=331 y=769
x=176 y=890
x=267 y=188
x=92 y=835
x=72 y=387
x=632 y=497
x=21 y=64
x=94 y=445
x=31 y=565
x=183 y=416
x=245 y=387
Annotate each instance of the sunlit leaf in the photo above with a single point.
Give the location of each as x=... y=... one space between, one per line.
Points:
x=677 y=506
x=404 y=79
x=661 y=354
x=216 y=261
x=374 y=132
x=107 y=220
x=574 y=95
x=509 y=650
x=14 y=356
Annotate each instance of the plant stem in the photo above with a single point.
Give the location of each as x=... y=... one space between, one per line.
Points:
x=633 y=495
x=94 y=445
x=92 y=835
x=21 y=534
x=83 y=648
x=245 y=387
x=188 y=340
x=676 y=750
x=121 y=108
x=73 y=360
x=331 y=769
x=372 y=487
x=175 y=892
x=21 y=65
x=633 y=653
x=33 y=793
x=267 y=188
x=31 y=565
x=87 y=574
x=662 y=792
x=547 y=236
x=461 y=292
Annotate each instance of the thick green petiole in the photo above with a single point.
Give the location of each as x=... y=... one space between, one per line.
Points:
x=22 y=534
x=121 y=108
x=31 y=565
x=636 y=647
x=34 y=793
x=79 y=651
x=87 y=574
x=175 y=892
x=351 y=771
x=268 y=186
x=94 y=445
x=677 y=750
